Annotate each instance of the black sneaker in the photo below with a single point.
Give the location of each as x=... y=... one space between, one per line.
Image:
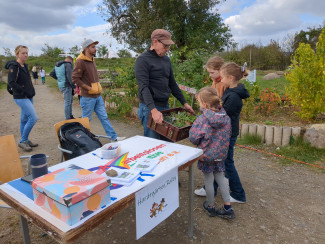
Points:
x=31 y=144
x=211 y=210
x=226 y=214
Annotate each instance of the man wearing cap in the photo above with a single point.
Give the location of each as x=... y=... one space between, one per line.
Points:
x=85 y=76
x=155 y=78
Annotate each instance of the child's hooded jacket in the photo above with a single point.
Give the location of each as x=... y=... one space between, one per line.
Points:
x=211 y=132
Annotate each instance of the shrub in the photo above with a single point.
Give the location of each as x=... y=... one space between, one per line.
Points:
x=268 y=102
x=125 y=80
x=307 y=79
x=248 y=104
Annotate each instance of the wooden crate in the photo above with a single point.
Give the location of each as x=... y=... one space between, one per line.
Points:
x=168 y=130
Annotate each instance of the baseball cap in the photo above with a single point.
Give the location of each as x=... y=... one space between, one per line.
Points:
x=87 y=43
x=163 y=36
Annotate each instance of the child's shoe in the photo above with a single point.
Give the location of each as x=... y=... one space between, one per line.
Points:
x=200 y=192
x=226 y=214
x=211 y=210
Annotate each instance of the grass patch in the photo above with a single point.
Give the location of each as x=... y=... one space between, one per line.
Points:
x=298 y=150
x=279 y=84
x=302 y=151
x=250 y=140
x=51 y=82
x=268 y=122
x=3 y=85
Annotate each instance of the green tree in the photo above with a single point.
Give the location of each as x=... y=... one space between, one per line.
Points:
x=51 y=51
x=124 y=53
x=75 y=51
x=192 y=23
x=7 y=52
x=308 y=37
x=307 y=79
x=102 y=50
x=274 y=57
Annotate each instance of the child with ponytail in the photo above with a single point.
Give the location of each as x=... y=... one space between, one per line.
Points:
x=231 y=74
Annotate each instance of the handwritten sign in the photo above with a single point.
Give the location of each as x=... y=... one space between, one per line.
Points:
x=155 y=202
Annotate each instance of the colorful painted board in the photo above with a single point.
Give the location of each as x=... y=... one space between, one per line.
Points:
x=71 y=193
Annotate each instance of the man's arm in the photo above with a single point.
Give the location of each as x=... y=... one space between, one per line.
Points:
x=77 y=73
x=142 y=76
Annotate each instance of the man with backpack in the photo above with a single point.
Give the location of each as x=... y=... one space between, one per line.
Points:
x=62 y=72
x=85 y=76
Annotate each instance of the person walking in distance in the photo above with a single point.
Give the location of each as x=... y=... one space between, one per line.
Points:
x=42 y=75
x=23 y=92
x=62 y=72
x=85 y=76
x=35 y=75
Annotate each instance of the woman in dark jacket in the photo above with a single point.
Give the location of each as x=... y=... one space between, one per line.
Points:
x=23 y=92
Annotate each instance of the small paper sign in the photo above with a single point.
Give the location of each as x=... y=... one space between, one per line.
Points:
x=155 y=202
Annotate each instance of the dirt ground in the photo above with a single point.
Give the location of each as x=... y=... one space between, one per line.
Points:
x=285 y=204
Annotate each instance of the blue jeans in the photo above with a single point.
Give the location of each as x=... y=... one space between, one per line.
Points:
x=68 y=99
x=89 y=105
x=236 y=188
x=143 y=114
x=28 y=117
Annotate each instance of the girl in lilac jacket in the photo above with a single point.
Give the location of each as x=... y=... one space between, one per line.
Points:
x=211 y=132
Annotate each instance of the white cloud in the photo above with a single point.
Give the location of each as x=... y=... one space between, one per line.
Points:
x=39 y=15
x=272 y=19
x=38 y=22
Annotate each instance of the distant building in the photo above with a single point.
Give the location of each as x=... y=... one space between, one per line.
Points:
x=66 y=54
x=111 y=54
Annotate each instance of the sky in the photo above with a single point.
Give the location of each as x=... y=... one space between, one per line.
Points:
x=66 y=23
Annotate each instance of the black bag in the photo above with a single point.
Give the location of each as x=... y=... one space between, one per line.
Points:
x=78 y=139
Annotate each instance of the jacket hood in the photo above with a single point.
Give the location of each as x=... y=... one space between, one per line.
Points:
x=10 y=63
x=241 y=91
x=216 y=118
x=84 y=57
x=58 y=64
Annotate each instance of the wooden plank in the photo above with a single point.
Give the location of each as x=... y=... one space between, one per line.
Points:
x=4 y=204
x=10 y=165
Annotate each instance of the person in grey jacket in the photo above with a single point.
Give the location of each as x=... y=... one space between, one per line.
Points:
x=155 y=78
x=62 y=72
